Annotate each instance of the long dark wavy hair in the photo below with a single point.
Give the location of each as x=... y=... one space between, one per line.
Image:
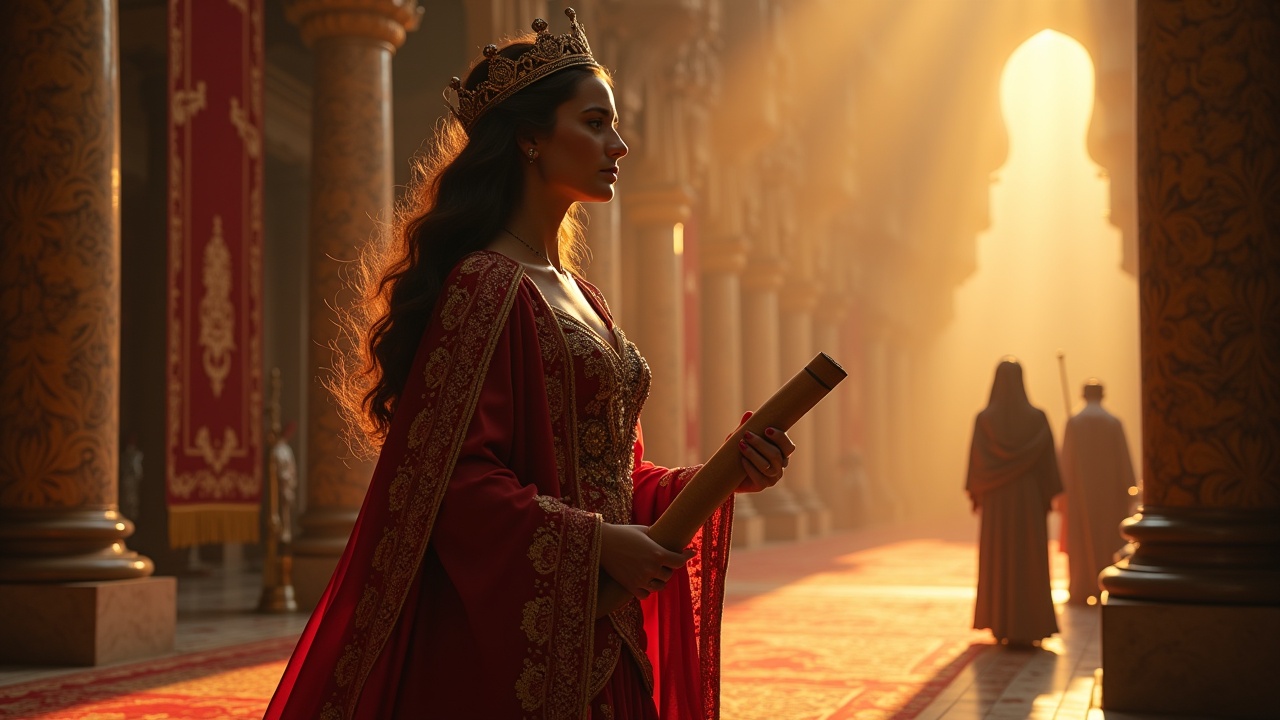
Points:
x=465 y=188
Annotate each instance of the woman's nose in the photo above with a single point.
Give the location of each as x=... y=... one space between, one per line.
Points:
x=618 y=148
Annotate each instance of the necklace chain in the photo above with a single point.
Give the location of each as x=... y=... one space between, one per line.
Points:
x=532 y=248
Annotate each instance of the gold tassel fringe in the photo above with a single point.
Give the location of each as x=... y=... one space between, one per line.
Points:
x=213 y=524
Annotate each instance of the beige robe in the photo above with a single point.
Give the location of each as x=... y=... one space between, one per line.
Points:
x=1097 y=473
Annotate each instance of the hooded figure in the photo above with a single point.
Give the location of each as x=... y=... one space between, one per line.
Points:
x=1013 y=477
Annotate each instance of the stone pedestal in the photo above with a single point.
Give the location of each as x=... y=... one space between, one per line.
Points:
x=87 y=623
x=1179 y=659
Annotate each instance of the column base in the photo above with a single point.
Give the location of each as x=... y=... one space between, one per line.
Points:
x=748 y=532
x=87 y=623
x=311 y=575
x=1201 y=660
x=786 y=526
x=821 y=523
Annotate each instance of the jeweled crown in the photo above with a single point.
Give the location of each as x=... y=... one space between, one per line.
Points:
x=549 y=54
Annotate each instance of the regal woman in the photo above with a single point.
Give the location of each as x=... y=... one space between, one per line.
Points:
x=511 y=481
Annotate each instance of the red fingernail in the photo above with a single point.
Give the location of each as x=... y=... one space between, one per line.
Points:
x=742 y=444
x=768 y=431
x=748 y=434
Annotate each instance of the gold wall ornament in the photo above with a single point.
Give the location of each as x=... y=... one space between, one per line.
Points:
x=186 y=103
x=217 y=313
x=216 y=457
x=247 y=130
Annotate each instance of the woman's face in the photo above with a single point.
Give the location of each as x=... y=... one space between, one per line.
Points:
x=579 y=159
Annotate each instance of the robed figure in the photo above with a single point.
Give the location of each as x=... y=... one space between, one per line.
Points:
x=1013 y=477
x=1097 y=474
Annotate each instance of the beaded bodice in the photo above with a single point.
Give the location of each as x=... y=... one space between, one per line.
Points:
x=610 y=387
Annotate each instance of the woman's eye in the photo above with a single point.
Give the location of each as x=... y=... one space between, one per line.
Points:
x=597 y=124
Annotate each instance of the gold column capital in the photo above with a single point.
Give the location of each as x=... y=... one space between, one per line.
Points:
x=764 y=272
x=657 y=205
x=388 y=21
x=728 y=256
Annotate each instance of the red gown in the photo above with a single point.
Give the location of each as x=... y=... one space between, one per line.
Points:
x=467 y=588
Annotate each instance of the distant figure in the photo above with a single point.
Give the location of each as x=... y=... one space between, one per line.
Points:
x=131 y=479
x=1097 y=474
x=285 y=465
x=1013 y=476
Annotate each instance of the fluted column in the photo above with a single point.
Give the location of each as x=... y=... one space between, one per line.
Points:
x=60 y=340
x=351 y=185
x=830 y=480
x=876 y=391
x=799 y=300
x=785 y=519
x=722 y=406
x=1190 y=621
x=658 y=320
x=898 y=446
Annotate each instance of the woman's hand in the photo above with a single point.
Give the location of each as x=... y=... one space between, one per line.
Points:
x=640 y=565
x=764 y=459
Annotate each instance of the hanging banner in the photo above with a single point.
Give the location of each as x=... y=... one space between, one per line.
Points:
x=214 y=414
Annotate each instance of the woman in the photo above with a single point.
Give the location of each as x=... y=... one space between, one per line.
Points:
x=1013 y=477
x=511 y=480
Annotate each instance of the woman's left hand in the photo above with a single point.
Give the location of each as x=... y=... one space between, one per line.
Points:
x=764 y=459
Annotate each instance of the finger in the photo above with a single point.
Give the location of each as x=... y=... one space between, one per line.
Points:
x=781 y=439
x=759 y=481
x=767 y=451
x=674 y=560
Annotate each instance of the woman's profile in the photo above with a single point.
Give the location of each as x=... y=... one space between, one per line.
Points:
x=505 y=405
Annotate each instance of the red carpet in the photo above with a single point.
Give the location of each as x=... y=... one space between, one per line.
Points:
x=233 y=682
x=869 y=625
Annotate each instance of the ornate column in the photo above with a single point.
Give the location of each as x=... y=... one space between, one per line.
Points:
x=1191 y=619
x=830 y=479
x=351 y=178
x=762 y=281
x=658 y=319
x=877 y=394
x=722 y=406
x=68 y=585
x=799 y=301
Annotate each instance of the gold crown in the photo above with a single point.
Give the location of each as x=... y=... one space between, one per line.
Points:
x=549 y=54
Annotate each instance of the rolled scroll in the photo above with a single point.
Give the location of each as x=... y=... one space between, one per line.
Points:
x=716 y=480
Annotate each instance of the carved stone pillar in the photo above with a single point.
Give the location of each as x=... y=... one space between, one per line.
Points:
x=785 y=519
x=67 y=582
x=722 y=404
x=351 y=184
x=876 y=391
x=1191 y=620
x=830 y=481
x=658 y=319
x=799 y=300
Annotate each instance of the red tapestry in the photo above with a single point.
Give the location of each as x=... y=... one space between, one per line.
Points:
x=214 y=418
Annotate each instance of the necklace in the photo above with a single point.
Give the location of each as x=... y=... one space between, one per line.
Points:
x=533 y=249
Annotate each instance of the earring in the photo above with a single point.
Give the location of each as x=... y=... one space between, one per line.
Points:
x=533 y=155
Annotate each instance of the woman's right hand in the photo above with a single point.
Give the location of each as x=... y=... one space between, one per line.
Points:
x=640 y=565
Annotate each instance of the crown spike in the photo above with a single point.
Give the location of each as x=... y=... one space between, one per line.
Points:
x=549 y=54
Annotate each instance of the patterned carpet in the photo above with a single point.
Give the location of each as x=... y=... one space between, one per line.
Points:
x=869 y=625
x=233 y=682
x=866 y=625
